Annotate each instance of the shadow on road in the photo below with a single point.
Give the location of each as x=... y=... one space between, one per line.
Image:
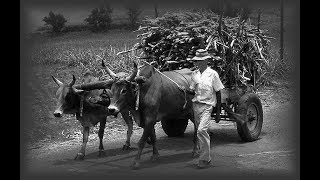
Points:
x=94 y=156
x=167 y=159
x=111 y=153
x=146 y=162
x=219 y=137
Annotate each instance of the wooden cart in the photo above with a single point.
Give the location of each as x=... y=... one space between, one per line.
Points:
x=240 y=105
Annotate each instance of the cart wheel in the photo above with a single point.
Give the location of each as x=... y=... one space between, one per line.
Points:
x=250 y=106
x=174 y=127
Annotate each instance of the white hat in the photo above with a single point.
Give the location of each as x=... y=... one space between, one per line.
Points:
x=201 y=54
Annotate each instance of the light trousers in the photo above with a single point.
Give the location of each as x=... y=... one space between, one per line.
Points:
x=202 y=116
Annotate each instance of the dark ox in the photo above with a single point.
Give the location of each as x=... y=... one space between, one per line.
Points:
x=89 y=114
x=160 y=99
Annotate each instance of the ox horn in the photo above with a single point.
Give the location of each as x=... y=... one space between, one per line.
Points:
x=134 y=73
x=112 y=74
x=57 y=81
x=73 y=80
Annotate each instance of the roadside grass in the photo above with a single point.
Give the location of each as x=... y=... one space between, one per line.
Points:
x=274 y=68
x=62 y=56
x=80 y=47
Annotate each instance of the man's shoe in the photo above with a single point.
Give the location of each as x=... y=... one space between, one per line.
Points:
x=203 y=164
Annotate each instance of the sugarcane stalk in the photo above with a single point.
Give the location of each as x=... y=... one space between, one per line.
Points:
x=126 y=51
x=259 y=49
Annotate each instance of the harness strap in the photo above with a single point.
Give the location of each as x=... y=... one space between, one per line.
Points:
x=81 y=105
x=138 y=97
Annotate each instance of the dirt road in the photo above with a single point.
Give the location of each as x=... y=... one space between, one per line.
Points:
x=275 y=153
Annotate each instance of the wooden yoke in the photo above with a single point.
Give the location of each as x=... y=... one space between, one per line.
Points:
x=95 y=85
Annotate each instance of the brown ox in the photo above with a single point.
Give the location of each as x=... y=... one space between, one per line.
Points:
x=160 y=99
x=71 y=100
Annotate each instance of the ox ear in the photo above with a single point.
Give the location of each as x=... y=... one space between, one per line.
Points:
x=57 y=81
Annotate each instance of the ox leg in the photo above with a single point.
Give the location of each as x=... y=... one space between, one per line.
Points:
x=100 y=134
x=155 y=155
x=129 y=123
x=81 y=153
x=146 y=133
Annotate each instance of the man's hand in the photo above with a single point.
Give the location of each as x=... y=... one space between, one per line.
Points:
x=189 y=91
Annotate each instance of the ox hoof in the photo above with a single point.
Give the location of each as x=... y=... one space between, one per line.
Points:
x=195 y=154
x=155 y=157
x=126 y=147
x=79 y=156
x=101 y=153
x=135 y=165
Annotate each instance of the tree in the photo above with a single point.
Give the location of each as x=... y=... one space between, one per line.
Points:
x=246 y=11
x=57 y=21
x=155 y=10
x=133 y=11
x=230 y=8
x=100 y=18
x=281 y=30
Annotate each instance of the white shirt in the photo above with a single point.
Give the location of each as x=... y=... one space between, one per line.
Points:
x=205 y=86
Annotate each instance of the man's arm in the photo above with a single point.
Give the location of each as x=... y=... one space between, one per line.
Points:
x=217 y=87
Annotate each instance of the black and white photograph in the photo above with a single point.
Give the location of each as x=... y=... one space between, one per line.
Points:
x=160 y=89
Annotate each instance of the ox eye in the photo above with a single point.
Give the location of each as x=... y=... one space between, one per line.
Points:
x=124 y=91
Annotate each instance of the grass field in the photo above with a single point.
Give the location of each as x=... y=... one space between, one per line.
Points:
x=62 y=55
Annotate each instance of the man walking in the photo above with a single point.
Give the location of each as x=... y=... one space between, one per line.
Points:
x=206 y=84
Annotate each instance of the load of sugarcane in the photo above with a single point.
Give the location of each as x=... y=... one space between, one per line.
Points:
x=239 y=49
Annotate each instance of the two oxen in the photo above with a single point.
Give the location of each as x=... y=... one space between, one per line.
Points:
x=72 y=100
x=148 y=94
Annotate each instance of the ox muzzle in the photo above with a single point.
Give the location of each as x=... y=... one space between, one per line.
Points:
x=113 y=110
x=57 y=113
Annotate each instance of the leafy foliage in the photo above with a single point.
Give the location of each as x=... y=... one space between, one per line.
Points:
x=230 y=8
x=57 y=21
x=133 y=12
x=100 y=18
